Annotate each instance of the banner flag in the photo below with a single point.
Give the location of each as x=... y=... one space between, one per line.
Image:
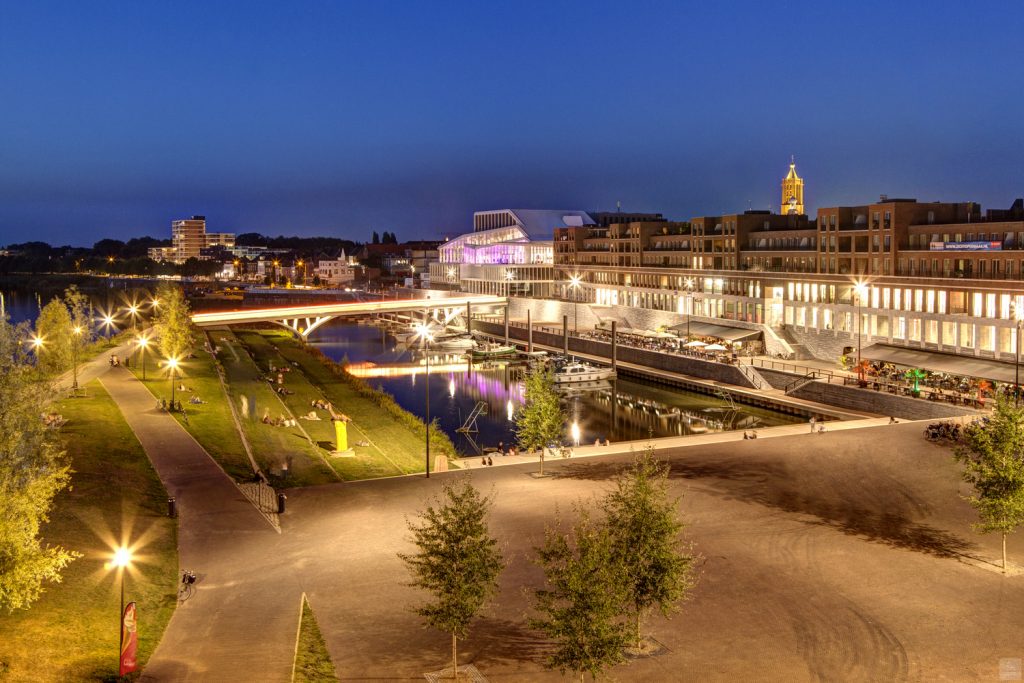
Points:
x=129 y=639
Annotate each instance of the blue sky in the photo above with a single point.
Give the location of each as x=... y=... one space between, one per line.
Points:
x=341 y=118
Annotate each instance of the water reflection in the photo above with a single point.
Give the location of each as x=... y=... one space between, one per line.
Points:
x=475 y=403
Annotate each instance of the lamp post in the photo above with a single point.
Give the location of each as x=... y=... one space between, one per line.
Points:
x=108 y=322
x=133 y=311
x=574 y=285
x=172 y=364
x=426 y=336
x=143 y=343
x=1018 y=315
x=859 y=291
x=74 y=358
x=121 y=561
x=689 y=304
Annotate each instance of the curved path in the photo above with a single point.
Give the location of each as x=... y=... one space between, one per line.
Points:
x=240 y=624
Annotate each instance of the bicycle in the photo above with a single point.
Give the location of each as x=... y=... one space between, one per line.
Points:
x=186 y=588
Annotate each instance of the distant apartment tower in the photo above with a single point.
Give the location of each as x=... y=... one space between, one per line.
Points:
x=189 y=238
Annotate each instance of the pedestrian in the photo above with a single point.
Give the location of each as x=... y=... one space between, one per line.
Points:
x=483 y=461
x=892 y=420
x=813 y=421
x=501 y=447
x=489 y=461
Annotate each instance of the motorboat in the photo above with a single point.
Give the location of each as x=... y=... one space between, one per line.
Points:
x=454 y=343
x=487 y=350
x=581 y=372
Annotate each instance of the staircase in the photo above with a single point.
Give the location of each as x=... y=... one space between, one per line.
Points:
x=753 y=376
x=801 y=382
x=800 y=351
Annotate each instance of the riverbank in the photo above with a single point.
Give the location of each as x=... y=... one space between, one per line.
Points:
x=115 y=495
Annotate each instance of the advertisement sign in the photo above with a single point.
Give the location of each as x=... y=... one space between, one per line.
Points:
x=965 y=246
x=129 y=640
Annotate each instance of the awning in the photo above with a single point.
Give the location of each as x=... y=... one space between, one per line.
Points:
x=732 y=334
x=966 y=366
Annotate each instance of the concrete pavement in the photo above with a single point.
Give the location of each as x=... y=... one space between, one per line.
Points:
x=240 y=624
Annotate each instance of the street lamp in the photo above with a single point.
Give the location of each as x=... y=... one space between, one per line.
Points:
x=121 y=561
x=860 y=290
x=133 y=311
x=510 y=275
x=108 y=322
x=574 y=285
x=74 y=358
x=425 y=335
x=689 y=282
x=143 y=343
x=1018 y=316
x=172 y=364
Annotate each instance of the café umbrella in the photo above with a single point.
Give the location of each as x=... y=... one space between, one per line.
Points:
x=694 y=344
x=714 y=347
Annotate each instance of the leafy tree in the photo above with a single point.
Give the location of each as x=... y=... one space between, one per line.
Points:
x=580 y=608
x=53 y=327
x=656 y=569
x=174 y=322
x=376 y=237
x=457 y=561
x=32 y=471
x=993 y=458
x=540 y=422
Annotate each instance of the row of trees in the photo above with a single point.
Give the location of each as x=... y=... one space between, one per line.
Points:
x=602 y=577
x=33 y=469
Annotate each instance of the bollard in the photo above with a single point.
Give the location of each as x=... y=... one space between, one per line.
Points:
x=172 y=508
x=281 y=498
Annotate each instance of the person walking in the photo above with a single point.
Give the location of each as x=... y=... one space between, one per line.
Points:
x=813 y=422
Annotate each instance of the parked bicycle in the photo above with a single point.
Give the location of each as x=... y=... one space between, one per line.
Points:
x=186 y=588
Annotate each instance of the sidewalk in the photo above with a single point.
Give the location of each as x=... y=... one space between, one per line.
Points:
x=227 y=542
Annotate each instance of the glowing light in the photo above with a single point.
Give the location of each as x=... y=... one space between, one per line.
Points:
x=77 y=329
x=143 y=342
x=424 y=332
x=510 y=274
x=172 y=363
x=451 y=387
x=37 y=343
x=575 y=280
x=860 y=288
x=452 y=272
x=510 y=410
x=575 y=431
x=108 y=320
x=122 y=558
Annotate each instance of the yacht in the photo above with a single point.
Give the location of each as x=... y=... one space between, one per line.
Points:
x=454 y=343
x=581 y=372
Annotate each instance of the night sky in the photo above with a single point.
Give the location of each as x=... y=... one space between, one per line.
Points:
x=340 y=118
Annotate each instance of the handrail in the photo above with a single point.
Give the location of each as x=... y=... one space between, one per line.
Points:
x=800 y=381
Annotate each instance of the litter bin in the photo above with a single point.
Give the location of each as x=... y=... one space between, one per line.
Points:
x=281 y=498
x=172 y=508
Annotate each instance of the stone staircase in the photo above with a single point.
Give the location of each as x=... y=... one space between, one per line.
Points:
x=800 y=351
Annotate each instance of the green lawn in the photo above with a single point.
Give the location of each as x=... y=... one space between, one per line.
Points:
x=312 y=661
x=209 y=422
x=394 y=447
x=71 y=633
x=271 y=445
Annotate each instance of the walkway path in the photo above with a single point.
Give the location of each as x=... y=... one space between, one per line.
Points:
x=227 y=543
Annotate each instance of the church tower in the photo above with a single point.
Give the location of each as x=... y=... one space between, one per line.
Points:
x=792 y=192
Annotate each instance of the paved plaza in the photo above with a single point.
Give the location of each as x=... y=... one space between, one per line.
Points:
x=846 y=556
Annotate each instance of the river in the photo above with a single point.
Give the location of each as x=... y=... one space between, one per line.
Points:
x=627 y=409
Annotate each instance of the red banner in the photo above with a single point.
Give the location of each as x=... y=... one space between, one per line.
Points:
x=129 y=639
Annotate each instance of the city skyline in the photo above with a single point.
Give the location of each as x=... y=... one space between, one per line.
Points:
x=336 y=120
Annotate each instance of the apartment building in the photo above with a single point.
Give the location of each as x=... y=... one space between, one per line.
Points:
x=188 y=240
x=934 y=276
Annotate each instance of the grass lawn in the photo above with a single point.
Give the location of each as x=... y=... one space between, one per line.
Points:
x=210 y=422
x=394 y=448
x=71 y=633
x=312 y=661
x=271 y=445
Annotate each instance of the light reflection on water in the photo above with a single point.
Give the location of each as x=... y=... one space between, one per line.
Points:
x=623 y=410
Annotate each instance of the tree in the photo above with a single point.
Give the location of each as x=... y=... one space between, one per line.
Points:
x=993 y=458
x=580 y=608
x=32 y=471
x=457 y=561
x=540 y=421
x=376 y=237
x=641 y=518
x=54 y=329
x=174 y=322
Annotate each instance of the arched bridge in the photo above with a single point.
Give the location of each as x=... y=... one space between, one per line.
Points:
x=304 y=319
